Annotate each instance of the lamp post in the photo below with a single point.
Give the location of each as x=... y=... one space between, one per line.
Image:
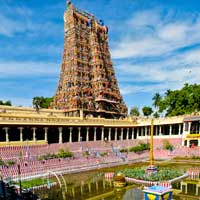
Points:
x=81 y=143
x=120 y=141
x=19 y=178
x=151 y=168
x=27 y=149
x=2 y=185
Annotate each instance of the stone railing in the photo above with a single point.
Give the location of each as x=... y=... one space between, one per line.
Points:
x=159 y=121
x=21 y=115
x=7 y=119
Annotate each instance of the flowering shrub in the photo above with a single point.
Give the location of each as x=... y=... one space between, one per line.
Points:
x=162 y=174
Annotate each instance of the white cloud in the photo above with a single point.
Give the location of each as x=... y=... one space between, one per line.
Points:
x=174 y=32
x=9 y=27
x=153 y=34
x=28 y=68
x=147 y=46
x=149 y=53
x=145 y=18
x=150 y=88
x=158 y=76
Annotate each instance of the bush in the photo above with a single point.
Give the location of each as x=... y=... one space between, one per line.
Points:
x=123 y=150
x=60 y=154
x=48 y=156
x=167 y=145
x=2 y=162
x=162 y=174
x=103 y=154
x=64 y=154
x=10 y=162
x=140 y=147
x=85 y=153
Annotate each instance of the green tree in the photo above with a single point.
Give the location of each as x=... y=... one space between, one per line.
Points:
x=6 y=103
x=46 y=101
x=36 y=103
x=134 y=111
x=147 y=110
x=156 y=100
x=156 y=115
x=41 y=102
x=179 y=102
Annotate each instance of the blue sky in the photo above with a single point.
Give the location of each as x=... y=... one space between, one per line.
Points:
x=155 y=46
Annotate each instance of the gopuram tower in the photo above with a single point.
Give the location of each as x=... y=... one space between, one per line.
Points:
x=87 y=84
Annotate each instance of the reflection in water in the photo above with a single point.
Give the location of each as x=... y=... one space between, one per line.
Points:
x=93 y=184
x=134 y=193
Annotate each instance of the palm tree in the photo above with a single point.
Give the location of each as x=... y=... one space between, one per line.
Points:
x=156 y=100
x=36 y=103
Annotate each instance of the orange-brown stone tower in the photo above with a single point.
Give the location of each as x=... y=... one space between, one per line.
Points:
x=87 y=82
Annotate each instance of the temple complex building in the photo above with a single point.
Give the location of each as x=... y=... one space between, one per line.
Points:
x=87 y=84
x=88 y=106
x=20 y=125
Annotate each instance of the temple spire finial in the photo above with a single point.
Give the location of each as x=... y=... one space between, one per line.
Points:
x=69 y=2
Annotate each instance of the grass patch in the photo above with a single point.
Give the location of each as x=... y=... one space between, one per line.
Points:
x=137 y=149
x=33 y=182
x=187 y=158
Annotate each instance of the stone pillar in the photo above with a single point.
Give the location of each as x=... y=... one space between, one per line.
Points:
x=186 y=188
x=95 y=134
x=189 y=126
x=97 y=186
x=79 y=134
x=160 y=130
x=45 y=134
x=104 y=184
x=184 y=126
x=109 y=135
x=188 y=143
x=170 y=129
x=127 y=134
x=199 y=127
x=73 y=192
x=122 y=133
x=70 y=134
x=149 y=130
x=145 y=131
x=7 y=136
x=142 y=131
x=34 y=134
x=138 y=131
x=87 y=135
x=89 y=187
x=197 y=189
x=132 y=133
x=179 y=129
x=60 y=135
x=181 y=187
x=21 y=133
x=102 y=134
x=115 y=134
x=156 y=131
x=81 y=189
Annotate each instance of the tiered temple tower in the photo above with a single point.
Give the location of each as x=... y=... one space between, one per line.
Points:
x=87 y=83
